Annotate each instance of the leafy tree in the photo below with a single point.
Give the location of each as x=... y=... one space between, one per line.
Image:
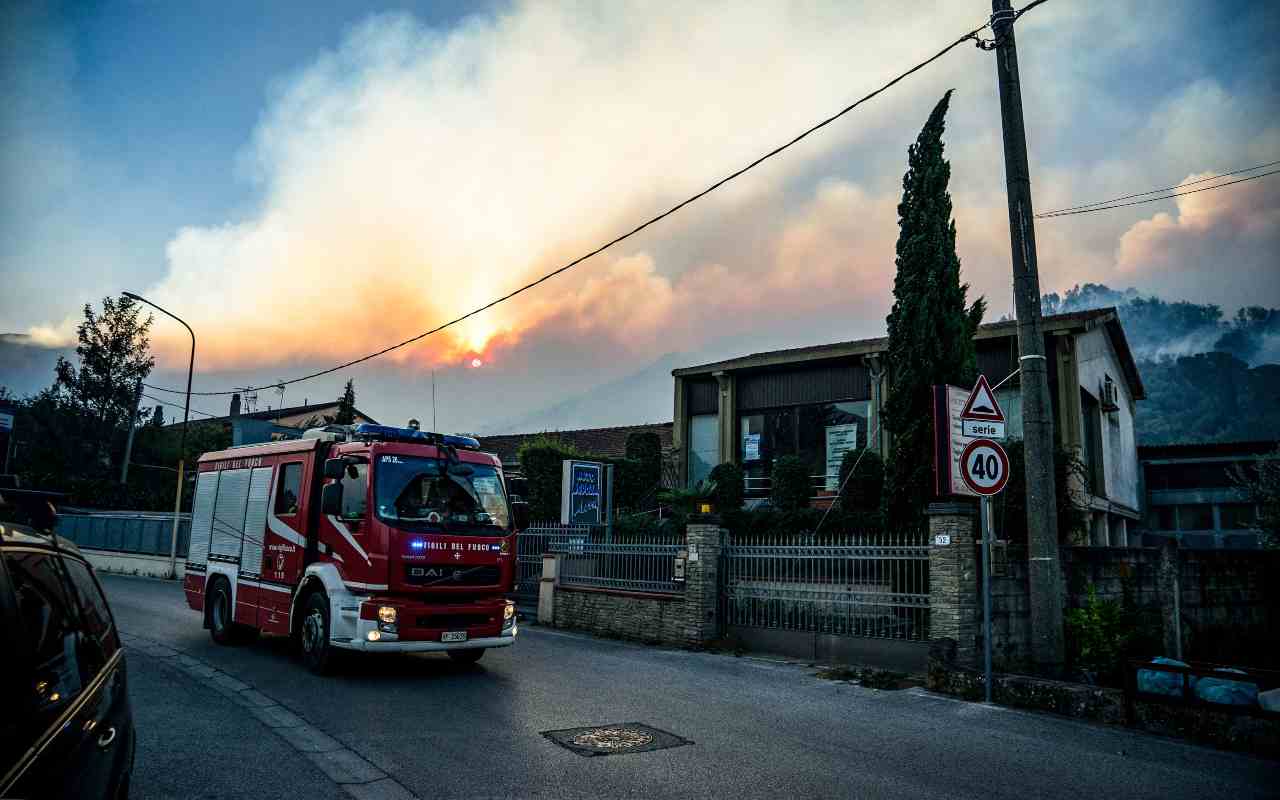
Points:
x=347 y=405
x=930 y=326
x=157 y=417
x=789 y=484
x=1262 y=482
x=863 y=490
x=114 y=355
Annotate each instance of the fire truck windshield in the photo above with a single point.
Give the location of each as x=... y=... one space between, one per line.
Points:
x=417 y=492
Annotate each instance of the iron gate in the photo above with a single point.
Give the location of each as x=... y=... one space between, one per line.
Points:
x=851 y=584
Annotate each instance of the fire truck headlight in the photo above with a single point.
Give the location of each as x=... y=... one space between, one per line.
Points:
x=509 y=611
x=373 y=636
x=387 y=614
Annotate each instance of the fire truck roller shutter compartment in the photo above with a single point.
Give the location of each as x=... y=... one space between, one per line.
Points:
x=202 y=517
x=228 y=513
x=255 y=521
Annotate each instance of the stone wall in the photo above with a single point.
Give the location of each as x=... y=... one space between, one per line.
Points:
x=1228 y=602
x=684 y=619
x=1236 y=731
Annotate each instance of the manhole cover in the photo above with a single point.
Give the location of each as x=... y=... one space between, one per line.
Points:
x=607 y=740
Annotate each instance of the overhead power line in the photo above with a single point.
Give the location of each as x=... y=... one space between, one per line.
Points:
x=175 y=404
x=1091 y=207
x=970 y=36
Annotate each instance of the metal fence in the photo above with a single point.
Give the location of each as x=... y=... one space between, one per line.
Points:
x=145 y=534
x=851 y=584
x=536 y=540
x=637 y=563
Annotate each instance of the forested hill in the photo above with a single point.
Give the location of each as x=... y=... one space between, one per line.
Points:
x=1209 y=377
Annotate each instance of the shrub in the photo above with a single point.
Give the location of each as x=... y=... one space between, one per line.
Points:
x=1098 y=636
x=727 y=487
x=790 y=482
x=862 y=491
x=630 y=483
x=646 y=448
x=540 y=461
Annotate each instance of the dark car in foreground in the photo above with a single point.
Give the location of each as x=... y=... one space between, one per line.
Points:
x=66 y=728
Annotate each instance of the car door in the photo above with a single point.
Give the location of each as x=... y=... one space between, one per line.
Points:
x=113 y=714
x=64 y=698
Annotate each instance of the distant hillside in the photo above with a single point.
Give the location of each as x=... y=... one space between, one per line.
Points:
x=1208 y=377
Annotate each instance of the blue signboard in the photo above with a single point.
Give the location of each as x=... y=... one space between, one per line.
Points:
x=582 y=493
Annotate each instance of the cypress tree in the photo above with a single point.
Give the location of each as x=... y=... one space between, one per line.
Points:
x=346 y=413
x=930 y=327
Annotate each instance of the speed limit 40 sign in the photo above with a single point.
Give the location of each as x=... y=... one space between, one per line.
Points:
x=984 y=466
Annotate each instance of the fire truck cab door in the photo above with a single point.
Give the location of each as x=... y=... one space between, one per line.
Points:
x=283 y=557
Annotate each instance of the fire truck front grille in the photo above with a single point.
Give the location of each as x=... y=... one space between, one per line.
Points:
x=454 y=622
x=449 y=575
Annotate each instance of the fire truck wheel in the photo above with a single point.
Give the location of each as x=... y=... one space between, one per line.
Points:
x=313 y=633
x=470 y=656
x=222 y=626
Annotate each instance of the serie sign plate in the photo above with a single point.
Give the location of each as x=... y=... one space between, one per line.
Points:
x=982 y=429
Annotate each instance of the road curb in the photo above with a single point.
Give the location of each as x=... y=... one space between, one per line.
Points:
x=352 y=772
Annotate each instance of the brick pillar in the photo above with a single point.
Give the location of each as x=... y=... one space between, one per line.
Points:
x=1169 y=588
x=702 y=580
x=953 y=579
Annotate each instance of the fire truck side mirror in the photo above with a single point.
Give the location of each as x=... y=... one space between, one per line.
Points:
x=520 y=515
x=331 y=498
x=334 y=468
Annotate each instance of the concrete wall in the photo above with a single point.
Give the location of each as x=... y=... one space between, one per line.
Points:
x=1096 y=359
x=147 y=566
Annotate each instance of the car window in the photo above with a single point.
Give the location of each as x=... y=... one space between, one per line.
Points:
x=355 y=491
x=93 y=607
x=288 y=488
x=48 y=621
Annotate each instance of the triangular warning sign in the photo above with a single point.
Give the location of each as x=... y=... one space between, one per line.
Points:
x=982 y=403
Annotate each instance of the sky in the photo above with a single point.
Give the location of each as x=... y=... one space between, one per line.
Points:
x=305 y=183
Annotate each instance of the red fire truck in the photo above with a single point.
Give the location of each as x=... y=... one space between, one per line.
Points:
x=368 y=538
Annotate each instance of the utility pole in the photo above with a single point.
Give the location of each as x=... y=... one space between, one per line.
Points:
x=128 y=443
x=1037 y=415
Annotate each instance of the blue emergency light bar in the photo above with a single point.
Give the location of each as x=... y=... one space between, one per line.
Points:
x=390 y=433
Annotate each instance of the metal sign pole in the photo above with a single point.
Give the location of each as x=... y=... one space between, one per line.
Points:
x=985 y=522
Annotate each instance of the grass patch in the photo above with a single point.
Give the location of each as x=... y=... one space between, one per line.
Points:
x=871 y=678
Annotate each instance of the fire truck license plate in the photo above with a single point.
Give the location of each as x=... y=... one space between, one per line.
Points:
x=453 y=636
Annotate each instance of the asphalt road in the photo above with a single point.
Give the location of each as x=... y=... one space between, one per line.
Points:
x=759 y=728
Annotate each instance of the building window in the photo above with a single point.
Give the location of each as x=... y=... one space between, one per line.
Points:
x=288 y=488
x=818 y=434
x=704 y=446
x=1010 y=400
x=1091 y=444
x=1237 y=516
x=1197 y=517
x=1160 y=518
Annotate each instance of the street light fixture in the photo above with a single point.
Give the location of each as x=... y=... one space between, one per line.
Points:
x=182 y=446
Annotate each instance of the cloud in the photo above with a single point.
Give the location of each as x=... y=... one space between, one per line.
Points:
x=1232 y=234
x=412 y=174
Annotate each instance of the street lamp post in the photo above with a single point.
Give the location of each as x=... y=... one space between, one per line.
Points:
x=182 y=446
